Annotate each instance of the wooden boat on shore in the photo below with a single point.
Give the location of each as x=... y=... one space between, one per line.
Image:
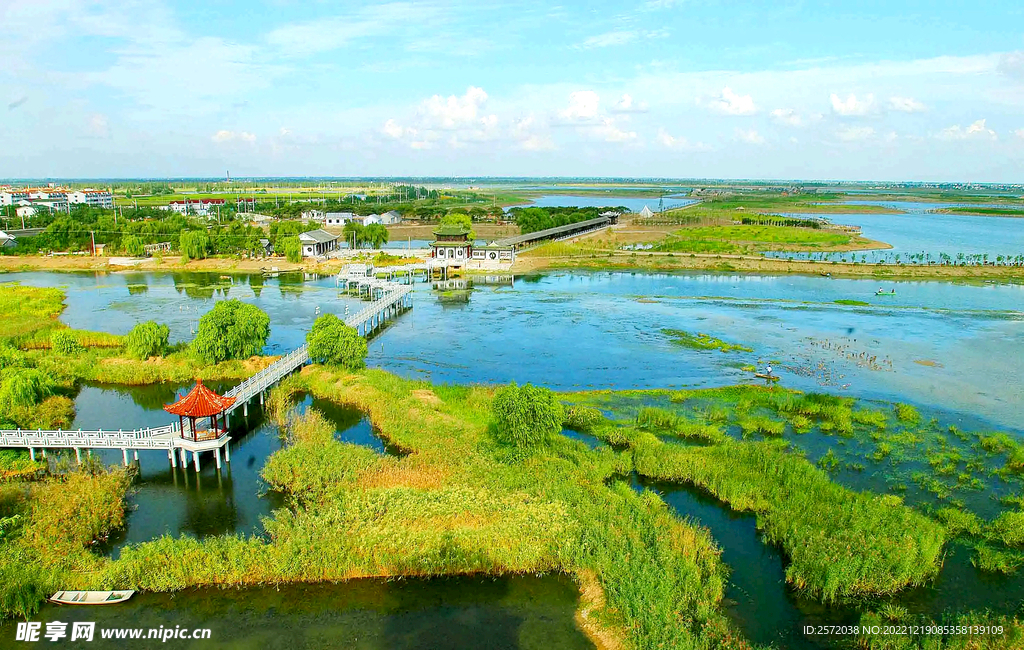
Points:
x=761 y=375
x=91 y=597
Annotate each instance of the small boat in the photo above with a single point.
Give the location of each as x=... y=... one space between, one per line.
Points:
x=91 y=597
x=761 y=375
x=885 y=293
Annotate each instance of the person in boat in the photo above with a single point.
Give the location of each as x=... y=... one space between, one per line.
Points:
x=768 y=370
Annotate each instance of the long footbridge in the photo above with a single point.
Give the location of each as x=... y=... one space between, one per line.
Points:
x=387 y=298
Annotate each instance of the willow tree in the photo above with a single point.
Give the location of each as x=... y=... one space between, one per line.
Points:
x=193 y=245
x=231 y=330
x=333 y=342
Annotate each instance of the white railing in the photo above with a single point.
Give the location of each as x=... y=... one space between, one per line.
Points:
x=164 y=437
x=149 y=438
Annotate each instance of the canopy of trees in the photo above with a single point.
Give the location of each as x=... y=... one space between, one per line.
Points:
x=333 y=342
x=534 y=219
x=231 y=330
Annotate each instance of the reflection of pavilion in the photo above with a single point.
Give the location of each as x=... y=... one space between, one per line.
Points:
x=203 y=431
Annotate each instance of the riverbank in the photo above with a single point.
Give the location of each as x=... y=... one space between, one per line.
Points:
x=657 y=261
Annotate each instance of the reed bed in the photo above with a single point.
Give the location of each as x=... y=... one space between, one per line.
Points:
x=841 y=543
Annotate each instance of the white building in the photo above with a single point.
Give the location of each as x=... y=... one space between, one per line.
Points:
x=371 y=219
x=198 y=207
x=9 y=196
x=7 y=241
x=317 y=242
x=338 y=218
x=92 y=198
x=390 y=218
x=26 y=211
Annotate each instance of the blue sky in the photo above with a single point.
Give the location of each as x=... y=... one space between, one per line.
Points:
x=670 y=88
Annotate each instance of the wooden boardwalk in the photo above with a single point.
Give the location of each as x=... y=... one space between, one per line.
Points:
x=389 y=300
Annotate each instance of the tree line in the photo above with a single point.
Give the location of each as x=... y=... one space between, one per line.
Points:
x=532 y=219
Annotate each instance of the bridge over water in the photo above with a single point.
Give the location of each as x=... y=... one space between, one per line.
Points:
x=388 y=300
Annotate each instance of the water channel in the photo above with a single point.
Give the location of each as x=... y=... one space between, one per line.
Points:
x=569 y=331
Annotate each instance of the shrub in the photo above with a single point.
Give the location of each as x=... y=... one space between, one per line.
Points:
x=907 y=414
x=147 y=340
x=231 y=330
x=291 y=247
x=65 y=343
x=526 y=416
x=581 y=418
x=333 y=342
x=23 y=387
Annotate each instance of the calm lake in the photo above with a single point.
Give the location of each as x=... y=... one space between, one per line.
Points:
x=933 y=344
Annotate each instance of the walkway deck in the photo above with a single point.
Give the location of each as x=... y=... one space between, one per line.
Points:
x=390 y=299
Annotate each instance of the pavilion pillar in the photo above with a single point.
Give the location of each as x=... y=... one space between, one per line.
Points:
x=261 y=398
x=78 y=455
x=44 y=453
x=184 y=458
x=227 y=451
x=135 y=452
x=195 y=459
x=124 y=455
x=216 y=454
x=32 y=454
x=245 y=409
x=174 y=461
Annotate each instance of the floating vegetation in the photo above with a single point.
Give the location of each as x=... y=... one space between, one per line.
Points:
x=852 y=303
x=702 y=341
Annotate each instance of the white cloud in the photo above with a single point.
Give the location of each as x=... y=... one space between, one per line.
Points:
x=906 y=105
x=610 y=132
x=609 y=39
x=729 y=103
x=627 y=104
x=975 y=130
x=529 y=137
x=855 y=133
x=655 y=5
x=583 y=106
x=852 y=106
x=225 y=136
x=1019 y=133
x=333 y=32
x=749 y=136
x=1012 y=64
x=669 y=141
x=787 y=116
x=394 y=129
x=452 y=112
x=97 y=126
x=891 y=136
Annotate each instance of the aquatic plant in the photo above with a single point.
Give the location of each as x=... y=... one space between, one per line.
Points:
x=581 y=418
x=702 y=341
x=906 y=413
x=840 y=543
x=65 y=343
x=829 y=462
x=761 y=424
x=959 y=522
x=1008 y=528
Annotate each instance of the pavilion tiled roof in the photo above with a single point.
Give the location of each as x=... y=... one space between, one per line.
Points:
x=201 y=402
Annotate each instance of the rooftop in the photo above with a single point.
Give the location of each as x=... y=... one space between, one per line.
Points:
x=451 y=230
x=318 y=236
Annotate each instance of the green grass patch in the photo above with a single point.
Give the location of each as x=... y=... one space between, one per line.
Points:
x=702 y=341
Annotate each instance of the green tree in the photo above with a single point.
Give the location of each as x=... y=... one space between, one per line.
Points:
x=133 y=246
x=376 y=234
x=291 y=247
x=194 y=245
x=354 y=233
x=64 y=343
x=23 y=387
x=333 y=342
x=231 y=330
x=526 y=416
x=147 y=340
x=459 y=219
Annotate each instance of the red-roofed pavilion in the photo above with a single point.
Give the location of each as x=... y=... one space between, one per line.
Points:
x=201 y=402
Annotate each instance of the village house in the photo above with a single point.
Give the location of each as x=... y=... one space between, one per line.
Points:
x=317 y=242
